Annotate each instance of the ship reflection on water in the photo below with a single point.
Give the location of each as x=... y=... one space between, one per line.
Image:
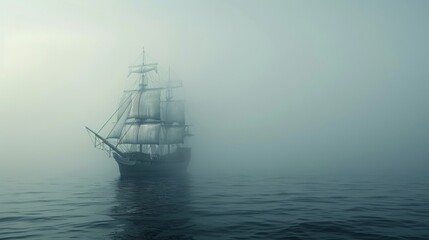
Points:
x=152 y=208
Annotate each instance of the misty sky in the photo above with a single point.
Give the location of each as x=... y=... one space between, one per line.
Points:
x=286 y=86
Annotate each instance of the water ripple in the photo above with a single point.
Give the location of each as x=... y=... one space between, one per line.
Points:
x=224 y=208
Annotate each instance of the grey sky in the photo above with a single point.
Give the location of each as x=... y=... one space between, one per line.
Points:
x=304 y=86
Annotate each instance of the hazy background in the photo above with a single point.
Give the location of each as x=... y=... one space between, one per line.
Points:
x=289 y=87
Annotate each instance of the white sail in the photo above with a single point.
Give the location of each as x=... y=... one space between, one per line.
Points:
x=149 y=133
x=140 y=134
x=124 y=104
x=173 y=112
x=117 y=129
x=129 y=134
x=145 y=105
x=152 y=134
x=172 y=134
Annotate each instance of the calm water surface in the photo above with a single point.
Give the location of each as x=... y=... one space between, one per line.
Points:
x=202 y=207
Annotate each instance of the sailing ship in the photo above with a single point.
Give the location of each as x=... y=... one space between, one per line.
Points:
x=149 y=135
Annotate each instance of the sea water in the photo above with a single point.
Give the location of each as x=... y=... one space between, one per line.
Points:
x=214 y=207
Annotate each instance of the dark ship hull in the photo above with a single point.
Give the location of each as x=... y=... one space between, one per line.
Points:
x=141 y=164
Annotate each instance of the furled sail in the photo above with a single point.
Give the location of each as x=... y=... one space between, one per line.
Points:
x=143 y=68
x=145 y=105
x=173 y=112
x=150 y=133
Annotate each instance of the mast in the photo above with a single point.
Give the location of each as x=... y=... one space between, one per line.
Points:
x=168 y=99
x=144 y=119
x=142 y=87
x=142 y=84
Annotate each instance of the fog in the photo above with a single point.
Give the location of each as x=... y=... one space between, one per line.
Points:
x=285 y=87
